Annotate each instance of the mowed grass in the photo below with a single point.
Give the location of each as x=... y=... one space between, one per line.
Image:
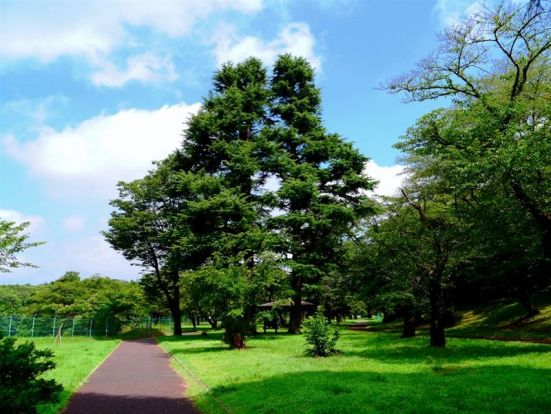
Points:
x=75 y=359
x=376 y=372
x=505 y=319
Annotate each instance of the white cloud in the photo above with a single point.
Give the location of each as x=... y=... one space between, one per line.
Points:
x=74 y=223
x=91 y=157
x=389 y=178
x=147 y=68
x=94 y=29
x=88 y=255
x=33 y=110
x=450 y=12
x=295 y=38
x=48 y=30
x=91 y=255
x=18 y=217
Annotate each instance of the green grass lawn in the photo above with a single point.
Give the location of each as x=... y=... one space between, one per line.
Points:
x=504 y=319
x=376 y=373
x=76 y=358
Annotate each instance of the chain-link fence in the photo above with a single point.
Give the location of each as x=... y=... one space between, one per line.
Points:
x=34 y=326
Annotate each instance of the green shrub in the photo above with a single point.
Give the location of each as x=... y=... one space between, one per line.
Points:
x=321 y=336
x=235 y=329
x=20 y=388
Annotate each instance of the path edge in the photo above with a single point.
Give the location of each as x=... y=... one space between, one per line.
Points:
x=85 y=379
x=191 y=377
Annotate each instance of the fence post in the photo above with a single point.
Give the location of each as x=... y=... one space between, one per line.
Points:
x=106 y=329
x=9 y=328
x=90 y=329
x=73 y=327
x=53 y=329
x=32 y=328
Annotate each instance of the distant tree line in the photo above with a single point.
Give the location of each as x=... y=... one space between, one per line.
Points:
x=71 y=296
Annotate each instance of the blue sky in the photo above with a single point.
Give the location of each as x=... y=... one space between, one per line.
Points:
x=92 y=92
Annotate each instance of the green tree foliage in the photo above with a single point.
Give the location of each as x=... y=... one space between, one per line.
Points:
x=146 y=228
x=12 y=242
x=490 y=151
x=235 y=329
x=322 y=186
x=21 y=388
x=14 y=299
x=224 y=140
x=106 y=300
x=496 y=136
x=413 y=255
x=211 y=232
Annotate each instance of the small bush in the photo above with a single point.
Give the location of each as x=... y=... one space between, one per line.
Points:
x=321 y=336
x=235 y=329
x=20 y=388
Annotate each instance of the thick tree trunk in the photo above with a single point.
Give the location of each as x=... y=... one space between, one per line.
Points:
x=249 y=313
x=212 y=322
x=437 y=332
x=295 y=317
x=526 y=302
x=408 y=330
x=389 y=317
x=192 y=319
x=238 y=342
x=177 y=318
x=546 y=244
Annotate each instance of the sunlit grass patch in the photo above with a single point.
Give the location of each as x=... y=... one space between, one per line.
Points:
x=75 y=358
x=375 y=373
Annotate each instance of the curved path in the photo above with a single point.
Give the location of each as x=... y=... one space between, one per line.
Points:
x=135 y=379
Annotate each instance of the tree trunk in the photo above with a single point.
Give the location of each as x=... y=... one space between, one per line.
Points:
x=177 y=318
x=526 y=302
x=192 y=319
x=295 y=317
x=238 y=342
x=408 y=330
x=389 y=317
x=437 y=333
x=175 y=304
x=542 y=218
x=212 y=322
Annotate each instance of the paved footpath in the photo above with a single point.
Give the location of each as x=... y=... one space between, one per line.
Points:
x=135 y=379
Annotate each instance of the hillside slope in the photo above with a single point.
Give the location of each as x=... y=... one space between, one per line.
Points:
x=504 y=319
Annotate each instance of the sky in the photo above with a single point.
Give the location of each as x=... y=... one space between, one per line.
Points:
x=91 y=92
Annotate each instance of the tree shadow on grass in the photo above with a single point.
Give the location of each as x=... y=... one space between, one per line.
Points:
x=53 y=408
x=209 y=343
x=416 y=350
x=439 y=389
x=198 y=350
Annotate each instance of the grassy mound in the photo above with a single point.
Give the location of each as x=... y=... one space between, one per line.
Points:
x=505 y=319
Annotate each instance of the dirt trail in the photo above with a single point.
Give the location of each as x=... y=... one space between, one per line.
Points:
x=135 y=379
